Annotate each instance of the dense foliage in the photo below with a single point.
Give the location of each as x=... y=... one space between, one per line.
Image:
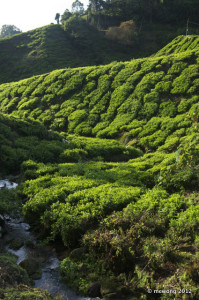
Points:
x=180 y=44
x=15 y=283
x=163 y=11
x=21 y=140
x=108 y=160
x=143 y=102
x=51 y=47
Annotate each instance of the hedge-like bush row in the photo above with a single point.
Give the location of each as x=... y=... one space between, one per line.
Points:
x=107 y=101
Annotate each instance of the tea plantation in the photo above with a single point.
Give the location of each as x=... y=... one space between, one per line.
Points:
x=180 y=44
x=108 y=159
x=48 y=48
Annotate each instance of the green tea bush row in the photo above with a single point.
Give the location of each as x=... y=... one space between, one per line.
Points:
x=29 y=140
x=153 y=228
x=103 y=101
x=71 y=216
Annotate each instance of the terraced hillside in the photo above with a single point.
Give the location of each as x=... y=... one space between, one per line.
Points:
x=22 y=140
x=180 y=44
x=143 y=102
x=50 y=47
x=118 y=186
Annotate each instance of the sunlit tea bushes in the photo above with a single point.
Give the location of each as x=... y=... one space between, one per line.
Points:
x=22 y=140
x=104 y=101
x=180 y=44
x=84 y=209
x=109 y=150
x=70 y=204
x=111 y=170
x=26 y=139
x=149 y=234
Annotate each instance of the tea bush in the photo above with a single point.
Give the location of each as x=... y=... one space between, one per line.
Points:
x=142 y=231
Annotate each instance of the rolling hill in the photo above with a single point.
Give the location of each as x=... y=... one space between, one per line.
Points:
x=50 y=47
x=108 y=158
x=144 y=101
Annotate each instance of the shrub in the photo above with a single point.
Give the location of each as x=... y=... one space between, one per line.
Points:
x=167 y=109
x=75 y=118
x=125 y=33
x=73 y=155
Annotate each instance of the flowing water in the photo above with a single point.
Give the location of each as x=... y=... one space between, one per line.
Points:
x=51 y=279
x=7 y=184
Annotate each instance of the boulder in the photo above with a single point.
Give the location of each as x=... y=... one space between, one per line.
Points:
x=77 y=253
x=111 y=296
x=32 y=266
x=16 y=244
x=30 y=244
x=94 y=290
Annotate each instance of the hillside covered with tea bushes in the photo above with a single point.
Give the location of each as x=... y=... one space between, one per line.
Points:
x=51 y=47
x=21 y=140
x=108 y=160
x=143 y=102
x=180 y=44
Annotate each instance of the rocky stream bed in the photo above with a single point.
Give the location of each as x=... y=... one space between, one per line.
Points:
x=40 y=262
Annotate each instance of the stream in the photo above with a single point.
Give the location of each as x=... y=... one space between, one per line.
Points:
x=51 y=279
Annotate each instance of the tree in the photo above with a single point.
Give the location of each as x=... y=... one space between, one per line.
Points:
x=96 y=5
x=75 y=26
x=94 y=10
x=78 y=7
x=9 y=30
x=66 y=15
x=57 y=16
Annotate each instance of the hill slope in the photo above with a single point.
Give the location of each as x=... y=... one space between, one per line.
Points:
x=180 y=44
x=21 y=140
x=146 y=99
x=128 y=215
x=50 y=47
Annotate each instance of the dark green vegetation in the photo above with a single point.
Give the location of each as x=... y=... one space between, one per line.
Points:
x=159 y=11
x=21 y=140
x=81 y=40
x=51 y=47
x=157 y=21
x=15 y=283
x=108 y=160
